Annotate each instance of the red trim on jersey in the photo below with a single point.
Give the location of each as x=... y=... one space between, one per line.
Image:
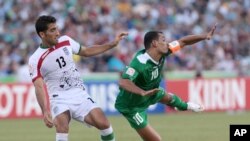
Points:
x=46 y=53
x=62 y=44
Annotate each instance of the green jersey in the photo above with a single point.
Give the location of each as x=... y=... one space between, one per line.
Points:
x=145 y=73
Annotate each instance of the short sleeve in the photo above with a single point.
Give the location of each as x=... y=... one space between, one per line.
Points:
x=33 y=70
x=129 y=73
x=76 y=46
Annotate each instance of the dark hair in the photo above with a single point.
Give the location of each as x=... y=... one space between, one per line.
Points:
x=149 y=37
x=42 y=23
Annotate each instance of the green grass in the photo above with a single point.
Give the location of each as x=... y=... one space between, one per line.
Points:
x=172 y=127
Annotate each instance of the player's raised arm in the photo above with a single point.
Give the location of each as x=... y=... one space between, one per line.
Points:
x=98 y=49
x=190 y=39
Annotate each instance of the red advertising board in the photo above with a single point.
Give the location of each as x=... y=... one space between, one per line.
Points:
x=18 y=100
x=214 y=94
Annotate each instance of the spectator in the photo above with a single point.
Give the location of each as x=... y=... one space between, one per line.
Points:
x=107 y=17
x=23 y=72
x=115 y=64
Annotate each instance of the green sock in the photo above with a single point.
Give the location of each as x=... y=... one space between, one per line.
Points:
x=178 y=103
x=109 y=137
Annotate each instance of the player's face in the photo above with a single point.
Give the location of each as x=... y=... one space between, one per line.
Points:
x=52 y=34
x=162 y=44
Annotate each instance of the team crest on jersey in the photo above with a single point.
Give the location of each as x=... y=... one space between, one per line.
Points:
x=66 y=51
x=130 y=71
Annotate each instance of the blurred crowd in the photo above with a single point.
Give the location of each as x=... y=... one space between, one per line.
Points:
x=98 y=21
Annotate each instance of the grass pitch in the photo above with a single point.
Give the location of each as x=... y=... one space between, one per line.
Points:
x=181 y=126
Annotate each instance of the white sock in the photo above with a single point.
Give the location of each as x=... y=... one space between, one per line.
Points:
x=107 y=134
x=62 y=136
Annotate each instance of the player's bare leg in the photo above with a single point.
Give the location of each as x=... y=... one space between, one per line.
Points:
x=148 y=134
x=97 y=119
x=61 y=123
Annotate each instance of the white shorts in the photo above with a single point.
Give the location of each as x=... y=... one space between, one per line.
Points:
x=78 y=110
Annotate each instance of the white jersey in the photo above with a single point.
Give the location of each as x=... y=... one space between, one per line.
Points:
x=57 y=68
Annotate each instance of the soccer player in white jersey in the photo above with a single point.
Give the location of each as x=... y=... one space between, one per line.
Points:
x=52 y=65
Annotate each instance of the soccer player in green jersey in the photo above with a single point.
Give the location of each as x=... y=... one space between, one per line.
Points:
x=139 y=83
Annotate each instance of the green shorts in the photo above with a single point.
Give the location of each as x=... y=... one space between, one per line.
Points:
x=137 y=120
x=137 y=117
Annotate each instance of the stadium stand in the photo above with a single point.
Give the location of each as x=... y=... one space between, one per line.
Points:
x=97 y=21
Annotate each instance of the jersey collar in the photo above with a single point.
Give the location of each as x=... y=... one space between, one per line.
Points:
x=43 y=46
x=150 y=58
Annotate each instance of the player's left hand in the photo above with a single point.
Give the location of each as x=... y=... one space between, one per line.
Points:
x=151 y=92
x=211 y=32
x=119 y=37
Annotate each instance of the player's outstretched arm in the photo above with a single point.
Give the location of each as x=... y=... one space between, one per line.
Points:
x=191 y=39
x=98 y=49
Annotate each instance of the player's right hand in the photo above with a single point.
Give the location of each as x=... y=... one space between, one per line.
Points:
x=211 y=32
x=47 y=119
x=151 y=92
x=119 y=37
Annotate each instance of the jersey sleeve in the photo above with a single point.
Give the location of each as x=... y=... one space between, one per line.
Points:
x=76 y=46
x=130 y=73
x=33 y=71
